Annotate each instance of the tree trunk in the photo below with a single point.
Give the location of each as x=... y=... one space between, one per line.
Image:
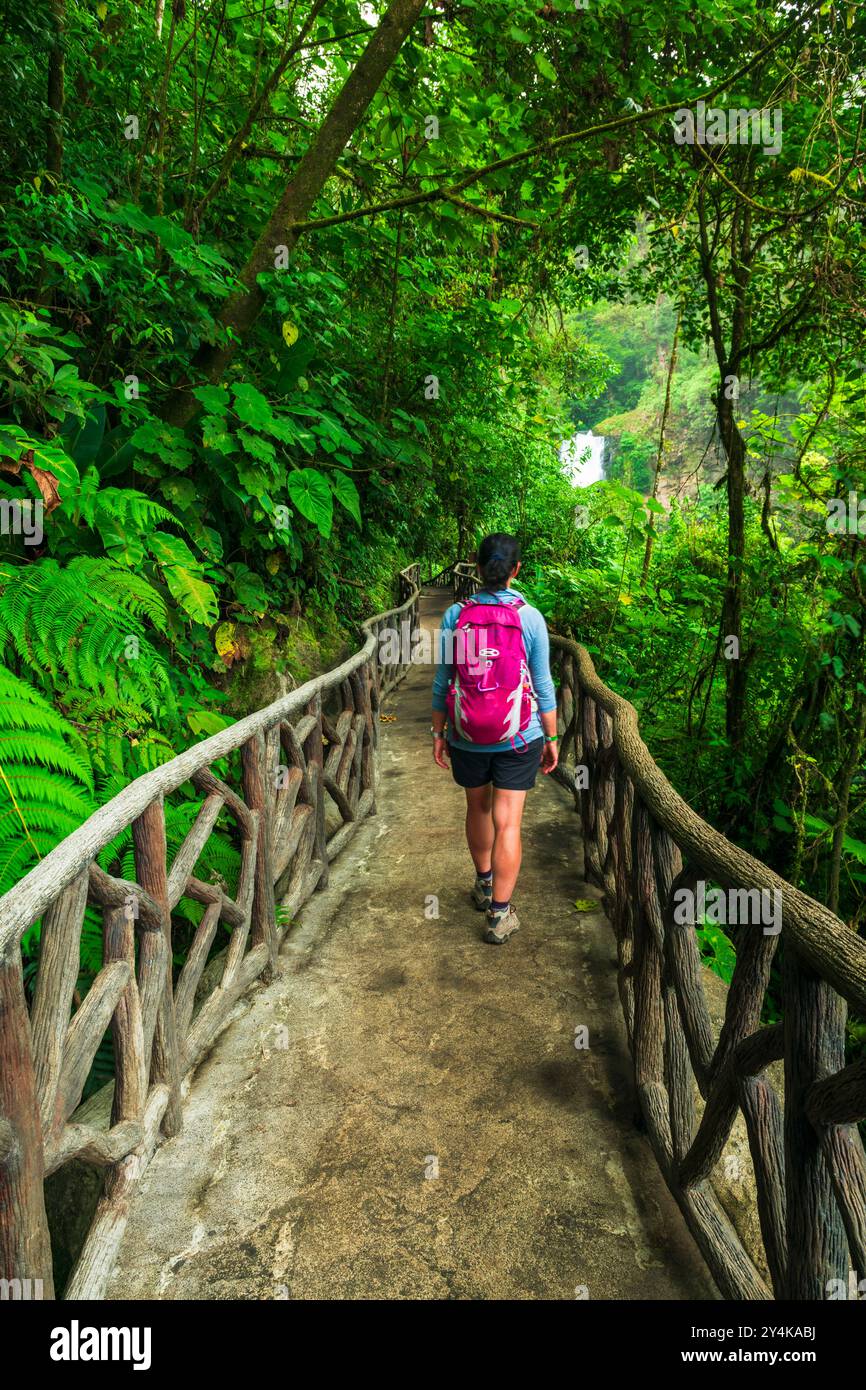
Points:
x=313 y=171
x=732 y=606
x=647 y=555
x=55 y=96
x=729 y=362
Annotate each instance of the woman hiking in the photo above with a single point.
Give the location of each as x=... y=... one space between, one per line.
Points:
x=493 y=687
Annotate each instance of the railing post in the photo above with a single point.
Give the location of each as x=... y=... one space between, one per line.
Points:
x=649 y=1025
x=25 y=1246
x=258 y=798
x=814 y=1026
x=149 y=841
x=315 y=772
x=130 y=1064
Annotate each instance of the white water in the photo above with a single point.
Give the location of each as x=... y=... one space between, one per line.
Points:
x=582 y=458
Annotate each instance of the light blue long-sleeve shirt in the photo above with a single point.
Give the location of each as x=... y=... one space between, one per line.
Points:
x=537 y=644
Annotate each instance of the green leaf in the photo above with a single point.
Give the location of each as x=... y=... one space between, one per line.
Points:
x=252 y=407
x=207 y=721
x=213 y=398
x=180 y=491
x=249 y=588
x=50 y=457
x=346 y=494
x=717 y=950
x=309 y=492
x=170 y=550
x=545 y=67
x=195 y=596
x=214 y=435
x=126 y=549
x=855 y=847
x=260 y=448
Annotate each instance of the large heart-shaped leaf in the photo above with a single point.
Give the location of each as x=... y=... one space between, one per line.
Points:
x=310 y=493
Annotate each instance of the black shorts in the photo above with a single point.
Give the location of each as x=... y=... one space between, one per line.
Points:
x=509 y=770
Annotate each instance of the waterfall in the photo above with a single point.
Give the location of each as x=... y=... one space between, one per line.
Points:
x=582 y=458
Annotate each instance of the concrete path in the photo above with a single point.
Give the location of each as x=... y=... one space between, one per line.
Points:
x=402 y=1113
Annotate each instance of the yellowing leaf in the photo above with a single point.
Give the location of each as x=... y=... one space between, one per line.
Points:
x=232 y=644
x=625 y=598
x=290 y=333
x=37 y=183
x=102 y=9
x=273 y=562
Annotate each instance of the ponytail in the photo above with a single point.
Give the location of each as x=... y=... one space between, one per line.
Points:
x=497 y=558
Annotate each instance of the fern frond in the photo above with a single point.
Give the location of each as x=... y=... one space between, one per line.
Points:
x=75 y=623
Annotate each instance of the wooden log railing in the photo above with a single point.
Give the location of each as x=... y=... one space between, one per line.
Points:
x=312 y=747
x=443 y=579
x=642 y=843
x=466 y=581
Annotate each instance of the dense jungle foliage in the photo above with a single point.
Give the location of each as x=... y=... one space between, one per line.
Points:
x=293 y=292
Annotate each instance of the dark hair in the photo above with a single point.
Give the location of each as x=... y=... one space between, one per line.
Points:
x=497 y=557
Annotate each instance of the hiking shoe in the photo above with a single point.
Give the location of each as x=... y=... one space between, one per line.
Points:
x=482 y=893
x=501 y=925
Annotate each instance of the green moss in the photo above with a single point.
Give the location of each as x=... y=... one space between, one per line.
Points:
x=284 y=652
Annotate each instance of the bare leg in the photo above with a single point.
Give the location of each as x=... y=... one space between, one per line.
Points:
x=507 y=850
x=479 y=826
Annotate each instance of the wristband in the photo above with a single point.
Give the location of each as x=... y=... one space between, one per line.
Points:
x=437 y=733
x=551 y=738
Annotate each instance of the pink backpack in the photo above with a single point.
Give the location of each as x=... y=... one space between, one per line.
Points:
x=490 y=698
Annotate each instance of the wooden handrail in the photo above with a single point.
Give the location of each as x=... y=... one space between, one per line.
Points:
x=443 y=579
x=312 y=748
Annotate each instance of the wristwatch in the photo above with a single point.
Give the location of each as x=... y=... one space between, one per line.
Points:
x=437 y=733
